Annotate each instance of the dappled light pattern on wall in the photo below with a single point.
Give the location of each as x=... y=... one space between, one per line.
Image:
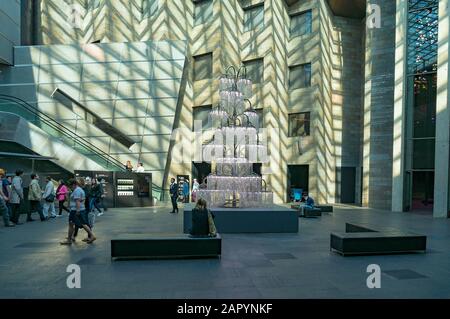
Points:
x=132 y=86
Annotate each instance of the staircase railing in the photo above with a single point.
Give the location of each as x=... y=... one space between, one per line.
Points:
x=58 y=130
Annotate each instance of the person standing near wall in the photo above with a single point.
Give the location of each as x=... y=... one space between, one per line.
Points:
x=174 y=195
x=35 y=197
x=49 y=198
x=16 y=196
x=4 y=198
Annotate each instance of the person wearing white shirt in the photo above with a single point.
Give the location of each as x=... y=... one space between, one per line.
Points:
x=49 y=198
x=140 y=168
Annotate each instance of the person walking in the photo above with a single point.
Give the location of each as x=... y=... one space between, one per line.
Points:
x=87 y=191
x=81 y=183
x=4 y=198
x=35 y=197
x=96 y=193
x=6 y=188
x=5 y=195
x=174 y=195
x=16 y=196
x=61 y=196
x=77 y=215
x=101 y=197
x=49 y=198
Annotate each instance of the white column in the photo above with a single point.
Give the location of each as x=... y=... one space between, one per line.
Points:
x=441 y=177
x=399 y=133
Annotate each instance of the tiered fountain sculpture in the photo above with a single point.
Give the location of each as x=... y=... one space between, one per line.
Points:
x=235 y=148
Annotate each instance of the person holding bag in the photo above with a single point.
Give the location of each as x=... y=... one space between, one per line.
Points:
x=49 y=198
x=35 y=197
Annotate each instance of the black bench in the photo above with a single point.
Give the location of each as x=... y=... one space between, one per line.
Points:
x=320 y=209
x=365 y=240
x=325 y=208
x=141 y=246
x=310 y=212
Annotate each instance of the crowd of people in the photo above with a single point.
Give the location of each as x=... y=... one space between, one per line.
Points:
x=81 y=198
x=176 y=196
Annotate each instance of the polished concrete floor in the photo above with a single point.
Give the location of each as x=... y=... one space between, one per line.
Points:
x=33 y=264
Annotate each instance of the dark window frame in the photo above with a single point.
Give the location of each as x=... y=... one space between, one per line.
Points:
x=261 y=71
x=307 y=124
x=308 y=80
x=246 y=12
x=195 y=109
x=148 y=11
x=194 y=58
x=209 y=19
x=296 y=15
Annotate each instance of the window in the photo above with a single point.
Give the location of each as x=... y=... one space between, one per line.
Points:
x=300 y=76
x=299 y=124
x=149 y=8
x=260 y=113
x=254 y=17
x=255 y=70
x=203 y=67
x=203 y=11
x=95 y=3
x=301 y=23
x=201 y=113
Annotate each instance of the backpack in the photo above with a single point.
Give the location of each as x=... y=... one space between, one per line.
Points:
x=50 y=198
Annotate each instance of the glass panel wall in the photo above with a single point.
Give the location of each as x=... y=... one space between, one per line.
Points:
x=421 y=104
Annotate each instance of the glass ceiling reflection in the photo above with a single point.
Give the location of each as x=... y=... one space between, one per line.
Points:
x=422 y=36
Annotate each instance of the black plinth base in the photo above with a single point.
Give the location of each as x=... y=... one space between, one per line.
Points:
x=310 y=212
x=141 y=246
x=273 y=219
x=364 y=240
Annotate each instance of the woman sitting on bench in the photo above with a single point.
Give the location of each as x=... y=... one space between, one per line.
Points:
x=202 y=221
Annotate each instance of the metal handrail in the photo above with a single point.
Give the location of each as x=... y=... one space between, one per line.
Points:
x=64 y=130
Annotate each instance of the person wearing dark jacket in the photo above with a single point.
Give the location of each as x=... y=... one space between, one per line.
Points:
x=202 y=221
x=174 y=195
x=200 y=225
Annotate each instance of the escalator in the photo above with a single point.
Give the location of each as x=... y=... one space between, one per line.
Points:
x=13 y=110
